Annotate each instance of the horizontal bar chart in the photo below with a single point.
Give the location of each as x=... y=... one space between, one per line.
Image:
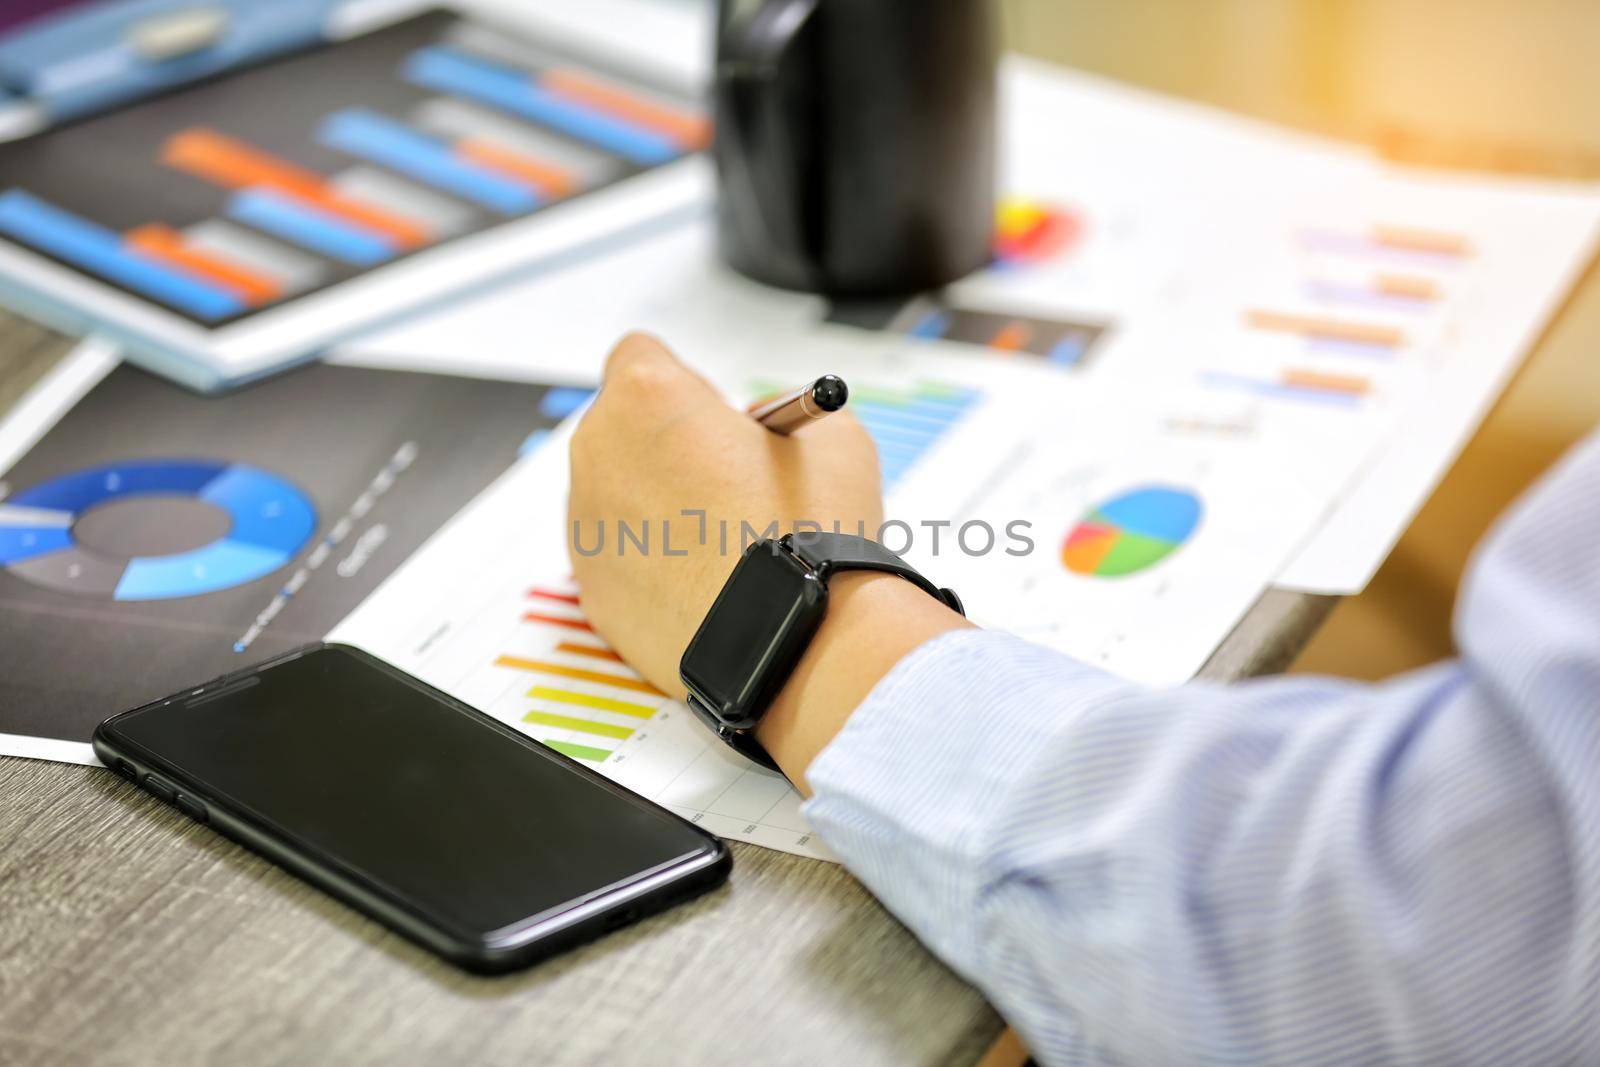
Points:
x=1059 y=341
x=448 y=70
x=105 y=253
x=391 y=143
x=254 y=189
x=904 y=423
x=581 y=711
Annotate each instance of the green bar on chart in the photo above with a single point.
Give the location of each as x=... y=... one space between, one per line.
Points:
x=584 y=752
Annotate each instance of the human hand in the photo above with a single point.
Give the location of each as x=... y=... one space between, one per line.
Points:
x=658 y=441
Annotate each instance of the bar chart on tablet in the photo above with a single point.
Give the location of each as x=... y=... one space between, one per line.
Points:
x=214 y=206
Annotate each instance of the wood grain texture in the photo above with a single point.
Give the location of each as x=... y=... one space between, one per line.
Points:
x=129 y=935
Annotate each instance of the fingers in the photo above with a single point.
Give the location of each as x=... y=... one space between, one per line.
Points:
x=640 y=362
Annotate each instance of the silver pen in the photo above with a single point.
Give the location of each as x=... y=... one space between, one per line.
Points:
x=789 y=411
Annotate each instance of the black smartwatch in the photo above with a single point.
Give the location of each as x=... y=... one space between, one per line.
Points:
x=763 y=620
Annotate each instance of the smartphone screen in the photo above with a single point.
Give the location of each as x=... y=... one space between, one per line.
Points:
x=432 y=803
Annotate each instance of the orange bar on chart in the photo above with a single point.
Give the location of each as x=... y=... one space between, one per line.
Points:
x=1012 y=337
x=1410 y=239
x=1405 y=285
x=557 y=620
x=1327 y=329
x=551 y=180
x=235 y=165
x=1348 y=384
x=592 y=651
x=167 y=245
x=689 y=130
x=561 y=670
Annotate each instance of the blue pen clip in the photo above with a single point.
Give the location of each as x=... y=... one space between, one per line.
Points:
x=90 y=59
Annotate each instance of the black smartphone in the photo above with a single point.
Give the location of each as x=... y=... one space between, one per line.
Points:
x=428 y=815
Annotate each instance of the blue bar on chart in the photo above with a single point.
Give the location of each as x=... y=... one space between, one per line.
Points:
x=1070 y=350
x=100 y=251
x=562 y=401
x=390 y=143
x=446 y=70
x=309 y=228
x=1286 y=388
x=906 y=423
x=931 y=326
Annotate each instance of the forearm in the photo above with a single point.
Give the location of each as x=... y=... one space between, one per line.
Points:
x=1288 y=871
x=873 y=621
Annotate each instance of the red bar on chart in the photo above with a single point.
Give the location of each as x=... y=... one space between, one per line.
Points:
x=553 y=594
x=557 y=620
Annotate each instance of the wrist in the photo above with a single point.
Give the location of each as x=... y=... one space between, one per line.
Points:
x=872 y=622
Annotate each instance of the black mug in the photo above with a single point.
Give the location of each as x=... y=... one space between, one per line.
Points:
x=855 y=142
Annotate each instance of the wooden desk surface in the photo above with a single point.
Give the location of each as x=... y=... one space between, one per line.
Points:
x=129 y=935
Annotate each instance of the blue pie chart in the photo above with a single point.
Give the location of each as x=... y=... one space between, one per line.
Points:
x=269 y=521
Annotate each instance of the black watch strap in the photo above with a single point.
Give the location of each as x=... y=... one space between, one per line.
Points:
x=829 y=553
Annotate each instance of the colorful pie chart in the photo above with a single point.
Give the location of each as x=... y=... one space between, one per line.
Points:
x=1028 y=231
x=265 y=519
x=1131 y=532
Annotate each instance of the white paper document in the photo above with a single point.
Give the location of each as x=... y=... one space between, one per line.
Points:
x=1124 y=536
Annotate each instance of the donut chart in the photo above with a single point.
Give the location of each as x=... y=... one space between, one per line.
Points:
x=270 y=520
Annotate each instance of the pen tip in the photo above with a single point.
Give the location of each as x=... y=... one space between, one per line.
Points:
x=829 y=392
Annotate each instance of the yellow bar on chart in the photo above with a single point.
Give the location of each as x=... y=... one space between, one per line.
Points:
x=589 y=700
x=567 y=722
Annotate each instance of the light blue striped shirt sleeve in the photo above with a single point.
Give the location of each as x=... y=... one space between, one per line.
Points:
x=1287 y=870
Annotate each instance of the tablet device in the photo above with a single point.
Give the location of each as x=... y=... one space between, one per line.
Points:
x=230 y=226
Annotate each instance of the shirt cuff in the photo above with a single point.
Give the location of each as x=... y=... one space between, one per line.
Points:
x=914 y=793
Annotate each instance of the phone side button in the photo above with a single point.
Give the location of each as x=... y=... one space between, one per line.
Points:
x=190 y=807
x=161 y=788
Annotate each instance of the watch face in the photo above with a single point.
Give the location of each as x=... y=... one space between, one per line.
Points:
x=758 y=628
